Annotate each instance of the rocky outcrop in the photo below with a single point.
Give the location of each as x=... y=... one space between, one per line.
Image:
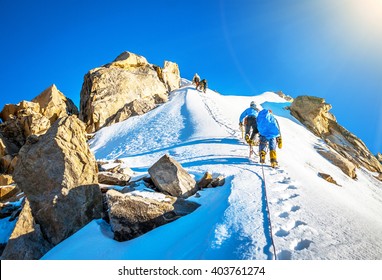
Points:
x=136 y=213
x=171 y=178
x=284 y=96
x=314 y=113
x=171 y=75
x=108 y=92
x=29 y=118
x=54 y=105
x=27 y=241
x=58 y=174
x=22 y=120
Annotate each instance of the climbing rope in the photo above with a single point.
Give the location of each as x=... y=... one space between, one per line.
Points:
x=268 y=213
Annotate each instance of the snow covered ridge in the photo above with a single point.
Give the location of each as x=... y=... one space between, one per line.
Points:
x=310 y=218
x=259 y=213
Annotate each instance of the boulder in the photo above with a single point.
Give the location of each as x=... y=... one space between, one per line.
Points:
x=58 y=174
x=110 y=178
x=314 y=113
x=27 y=241
x=136 y=213
x=171 y=178
x=218 y=181
x=205 y=181
x=53 y=104
x=108 y=91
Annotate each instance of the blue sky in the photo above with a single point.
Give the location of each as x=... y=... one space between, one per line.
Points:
x=326 y=48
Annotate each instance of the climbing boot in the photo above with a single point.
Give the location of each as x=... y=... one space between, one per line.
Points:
x=262 y=156
x=247 y=139
x=273 y=156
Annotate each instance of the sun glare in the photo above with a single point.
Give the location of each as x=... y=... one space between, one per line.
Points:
x=367 y=13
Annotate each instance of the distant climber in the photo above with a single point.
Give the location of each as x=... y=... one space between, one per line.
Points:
x=202 y=85
x=196 y=80
x=269 y=131
x=249 y=118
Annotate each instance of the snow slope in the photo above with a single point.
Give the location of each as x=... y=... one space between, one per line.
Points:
x=309 y=217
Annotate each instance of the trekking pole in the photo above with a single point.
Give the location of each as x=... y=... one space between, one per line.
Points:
x=242 y=131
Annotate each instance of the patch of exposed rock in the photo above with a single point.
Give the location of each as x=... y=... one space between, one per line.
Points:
x=129 y=85
x=313 y=112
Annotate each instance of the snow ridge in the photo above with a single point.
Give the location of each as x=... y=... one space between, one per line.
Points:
x=310 y=218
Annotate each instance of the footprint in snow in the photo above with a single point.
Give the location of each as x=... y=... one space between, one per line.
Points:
x=284 y=255
x=301 y=245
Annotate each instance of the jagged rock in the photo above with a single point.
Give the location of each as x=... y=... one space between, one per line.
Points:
x=25 y=120
x=58 y=174
x=7 y=164
x=27 y=241
x=8 y=191
x=54 y=105
x=218 y=181
x=32 y=118
x=313 y=112
x=205 y=181
x=284 y=96
x=108 y=92
x=5 y=179
x=136 y=213
x=327 y=178
x=110 y=178
x=345 y=165
x=170 y=177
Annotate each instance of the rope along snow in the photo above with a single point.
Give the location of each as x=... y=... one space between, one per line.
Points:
x=268 y=214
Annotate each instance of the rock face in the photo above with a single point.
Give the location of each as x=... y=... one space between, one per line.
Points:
x=108 y=92
x=58 y=174
x=313 y=112
x=171 y=178
x=379 y=157
x=27 y=241
x=136 y=213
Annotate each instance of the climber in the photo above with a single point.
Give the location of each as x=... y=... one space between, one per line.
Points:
x=202 y=85
x=196 y=80
x=269 y=131
x=249 y=117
